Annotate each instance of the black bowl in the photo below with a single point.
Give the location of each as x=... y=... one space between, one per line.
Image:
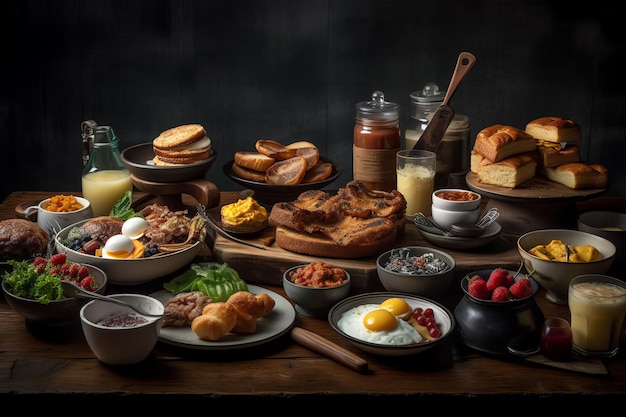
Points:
x=268 y=194
x=499 y=327
x=138 y=160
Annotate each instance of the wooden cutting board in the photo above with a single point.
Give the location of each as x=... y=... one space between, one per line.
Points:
x=266 y=266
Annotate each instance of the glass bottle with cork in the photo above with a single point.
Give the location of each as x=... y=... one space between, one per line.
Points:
x=377 y=139
x=453 y=152
x=105 y=178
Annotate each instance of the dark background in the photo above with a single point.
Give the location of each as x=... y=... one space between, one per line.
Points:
x=293 y=70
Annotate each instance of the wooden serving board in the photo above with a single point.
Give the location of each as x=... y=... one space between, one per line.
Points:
x=266 y=266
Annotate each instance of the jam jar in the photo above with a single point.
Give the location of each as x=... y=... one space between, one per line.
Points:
x=377 y=139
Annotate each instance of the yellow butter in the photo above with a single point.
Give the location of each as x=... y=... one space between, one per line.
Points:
x=244 y=211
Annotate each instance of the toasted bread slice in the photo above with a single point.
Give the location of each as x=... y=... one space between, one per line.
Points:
x=319 y=172
x=274 y=149
x=253 y=160
x=286 y=172
x=248 y=174
x=179 y=136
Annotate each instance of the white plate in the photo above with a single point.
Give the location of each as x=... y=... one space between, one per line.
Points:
x=456 y=242
x=270 y=327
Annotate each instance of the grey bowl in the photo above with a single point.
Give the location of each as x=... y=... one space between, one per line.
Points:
x=311 y=301
x=56 y=311
x=610 y=225
x=427 y=285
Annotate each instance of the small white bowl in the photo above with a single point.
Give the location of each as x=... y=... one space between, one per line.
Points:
x=446 y=218
x=121 y=345
x=456 y=199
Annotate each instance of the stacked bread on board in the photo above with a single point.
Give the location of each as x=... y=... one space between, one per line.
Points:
x=507 y=156
x=181 y=145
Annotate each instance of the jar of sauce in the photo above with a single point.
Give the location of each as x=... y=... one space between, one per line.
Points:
x=453 y=153
x=377 y=139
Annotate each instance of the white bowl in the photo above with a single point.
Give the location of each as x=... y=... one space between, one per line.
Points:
x=554 y=276
x=444 y=318
x=130 y=271
x=457 y=199
x=427 y=284
x=121 y=345
x=446 y=218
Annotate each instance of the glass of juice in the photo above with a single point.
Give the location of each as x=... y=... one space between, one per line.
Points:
x=556 y=339
x=597 y=305
x=415 y=171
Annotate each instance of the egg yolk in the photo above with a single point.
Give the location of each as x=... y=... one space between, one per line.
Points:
x=396 y=306
x=380 y=320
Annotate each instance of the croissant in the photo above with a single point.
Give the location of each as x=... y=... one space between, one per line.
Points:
x=216 y=320
x=249 y=308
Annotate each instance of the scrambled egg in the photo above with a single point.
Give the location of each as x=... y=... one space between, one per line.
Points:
x=244 y=212
x=555 y=251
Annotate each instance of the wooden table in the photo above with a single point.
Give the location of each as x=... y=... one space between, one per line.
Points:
x=35 y=366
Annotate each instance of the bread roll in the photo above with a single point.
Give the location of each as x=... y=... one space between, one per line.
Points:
x=578 y=175
x=286 y=172
x=554 y=129
x=551 y=157
x=498 y=142
x=274 y=149
x=319 y=172
x=248 y=308
x=216 y=320
x=248 y=174
x=21 y=239
x=509 y=172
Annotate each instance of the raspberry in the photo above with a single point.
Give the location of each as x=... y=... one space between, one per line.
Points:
x=73 y=270
x=478 y=289
x=497 y=278
x=58 y=259
x=522 y=288
x=83 y=272
x=510 y=279
x=39 y=261
x=87 y=283
x=500 y=294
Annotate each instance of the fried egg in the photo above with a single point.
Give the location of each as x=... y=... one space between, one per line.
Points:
x=372 y=323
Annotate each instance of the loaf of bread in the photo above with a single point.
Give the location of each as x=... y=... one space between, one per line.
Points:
x=554 y=129
x=498 y=142
x=22 y=239
x=551 y=157
x=509 y=172
x=317 y=244
x=578 y=175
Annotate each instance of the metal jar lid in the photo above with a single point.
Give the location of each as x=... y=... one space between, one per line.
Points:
x=378 y=108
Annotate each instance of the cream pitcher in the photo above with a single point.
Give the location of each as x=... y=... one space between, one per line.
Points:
x=105 y=178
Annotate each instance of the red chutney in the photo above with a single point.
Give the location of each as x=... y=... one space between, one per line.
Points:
x=457 y=195
x=318 y=275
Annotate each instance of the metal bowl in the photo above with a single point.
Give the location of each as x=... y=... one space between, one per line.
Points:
x=138 y=160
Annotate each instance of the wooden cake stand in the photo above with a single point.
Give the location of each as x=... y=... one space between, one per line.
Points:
x=170 y=194
x=535 y=204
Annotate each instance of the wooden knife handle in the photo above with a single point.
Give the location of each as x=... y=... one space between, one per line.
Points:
x=329 y=349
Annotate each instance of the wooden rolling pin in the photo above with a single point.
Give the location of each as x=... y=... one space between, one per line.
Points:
x=329 y=349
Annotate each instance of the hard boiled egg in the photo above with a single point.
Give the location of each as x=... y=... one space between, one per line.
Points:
x=121 y=246
x=135 y=227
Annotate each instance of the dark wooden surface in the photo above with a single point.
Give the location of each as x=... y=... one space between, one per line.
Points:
x=58 y=366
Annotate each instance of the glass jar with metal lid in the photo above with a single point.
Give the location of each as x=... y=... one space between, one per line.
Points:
x=377 y=138
x=453 y=152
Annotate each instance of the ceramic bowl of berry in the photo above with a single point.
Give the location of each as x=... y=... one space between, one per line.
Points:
x=456 y=199
x=117 y=335
x=41 y=301
x=392 y=323
x=315 y=287
x=498 y=313
x=416 y=270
